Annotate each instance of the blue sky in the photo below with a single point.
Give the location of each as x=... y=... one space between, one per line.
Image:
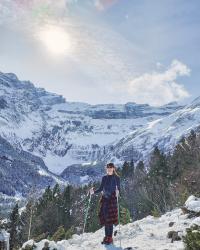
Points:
x=104 y=51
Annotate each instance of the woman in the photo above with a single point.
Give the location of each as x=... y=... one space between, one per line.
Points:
x=108 y=214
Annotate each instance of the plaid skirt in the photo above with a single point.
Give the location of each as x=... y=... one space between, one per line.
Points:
x=108 y=212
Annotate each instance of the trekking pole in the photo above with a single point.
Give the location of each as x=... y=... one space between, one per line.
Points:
x=86 y=214
x=119 y=219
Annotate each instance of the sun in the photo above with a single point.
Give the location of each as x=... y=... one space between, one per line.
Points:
x=55 y=39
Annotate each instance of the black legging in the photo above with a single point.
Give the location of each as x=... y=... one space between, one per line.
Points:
x=108 y=230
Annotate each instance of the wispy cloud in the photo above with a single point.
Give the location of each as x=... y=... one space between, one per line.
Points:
x=158 y=88
x=33 y=10
x=15 y=9
x=104 y=4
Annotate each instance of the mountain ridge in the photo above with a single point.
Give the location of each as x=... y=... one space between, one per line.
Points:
x=65 y=133
x=67 y=136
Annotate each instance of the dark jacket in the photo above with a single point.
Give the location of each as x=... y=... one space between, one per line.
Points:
x=108 y=213
x=108 y=185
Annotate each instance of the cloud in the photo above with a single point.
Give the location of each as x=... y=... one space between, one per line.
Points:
x=159 y=88
x=104 y=4
x=11 y=10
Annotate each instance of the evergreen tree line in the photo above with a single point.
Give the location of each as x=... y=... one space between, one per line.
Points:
x=56 y=215
x=160 y=186
x=165 y=182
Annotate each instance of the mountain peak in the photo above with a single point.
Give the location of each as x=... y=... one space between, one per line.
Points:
x=12 y=76
x=196 y=101
x=172 y=103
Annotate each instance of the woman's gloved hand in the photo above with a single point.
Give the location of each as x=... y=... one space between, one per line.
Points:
x=91 y=190
x=117 y=192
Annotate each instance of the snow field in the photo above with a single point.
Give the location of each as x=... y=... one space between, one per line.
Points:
x=149 y=233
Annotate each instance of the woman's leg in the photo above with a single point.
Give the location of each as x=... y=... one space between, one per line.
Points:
x=108 y=235
x=105 y=239
x=110 y=230
x=106 y=230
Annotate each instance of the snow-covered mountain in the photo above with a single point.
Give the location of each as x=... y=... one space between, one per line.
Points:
x=72 y=134
x=163 y=132
x=49 y=135
x=20 y=174
x=150 y=233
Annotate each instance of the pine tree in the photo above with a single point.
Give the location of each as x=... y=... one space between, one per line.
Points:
x=92 y=220
x=66 y=207
x=26 y=220
x=124 y=215
x=140 y=173
x=125 y=169
x=158 y=181
x=56 y=192
x=158 y=164
x=14 y=228
x=43 y=201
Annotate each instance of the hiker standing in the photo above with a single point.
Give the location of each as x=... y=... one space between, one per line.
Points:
x=108 y=213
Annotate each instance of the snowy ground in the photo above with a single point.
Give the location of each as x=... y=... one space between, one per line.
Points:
x=147 y=234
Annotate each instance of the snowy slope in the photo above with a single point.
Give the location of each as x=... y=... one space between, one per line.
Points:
x=147 y=234
x=65 y=133
x=20 y=172
x=163 y=132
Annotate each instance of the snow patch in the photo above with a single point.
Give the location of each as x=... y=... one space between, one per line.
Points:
x=84 y=178
x=193 y=204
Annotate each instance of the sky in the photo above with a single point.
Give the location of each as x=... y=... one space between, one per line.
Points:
x=104 y=51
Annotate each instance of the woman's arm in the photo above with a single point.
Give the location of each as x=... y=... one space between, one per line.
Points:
x=101 y=186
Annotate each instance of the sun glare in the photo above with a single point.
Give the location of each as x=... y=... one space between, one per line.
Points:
x=56 y=39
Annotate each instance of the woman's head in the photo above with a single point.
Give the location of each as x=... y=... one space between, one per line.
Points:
x=111 y=169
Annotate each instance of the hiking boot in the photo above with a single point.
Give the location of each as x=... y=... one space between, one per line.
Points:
x=109 y=240
x=104 y=240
